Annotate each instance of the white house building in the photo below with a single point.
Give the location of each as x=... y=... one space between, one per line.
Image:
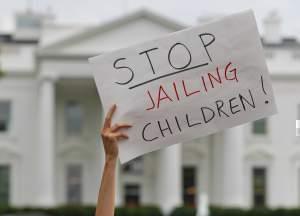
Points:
x=50 y=116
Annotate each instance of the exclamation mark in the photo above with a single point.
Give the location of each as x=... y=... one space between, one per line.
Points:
x=263 y=88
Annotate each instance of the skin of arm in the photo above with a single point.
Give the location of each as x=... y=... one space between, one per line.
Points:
x=110 y=137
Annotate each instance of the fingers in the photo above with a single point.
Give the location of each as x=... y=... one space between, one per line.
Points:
x=113 y=132
x=117 y=127
x=107 y=121
x=120 y=135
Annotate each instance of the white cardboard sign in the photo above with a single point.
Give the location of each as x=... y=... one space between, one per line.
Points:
x=186 y=85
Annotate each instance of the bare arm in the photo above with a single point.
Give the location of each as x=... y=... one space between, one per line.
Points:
x=110 y=136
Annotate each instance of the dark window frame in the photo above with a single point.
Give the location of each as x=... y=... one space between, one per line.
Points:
x=71 y=128
x=134 y=167
x=71 y=184
x=132 y=194
x=259 y=186
x=5 y=190
x=260 y=127
x=189 y=186
x=5 y=118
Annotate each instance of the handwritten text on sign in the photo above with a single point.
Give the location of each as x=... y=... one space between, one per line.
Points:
x=190 y=84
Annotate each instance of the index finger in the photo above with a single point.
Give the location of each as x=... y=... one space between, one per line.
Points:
x=109 y=115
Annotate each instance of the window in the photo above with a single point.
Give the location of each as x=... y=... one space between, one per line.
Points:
x=4 y=116
x=189 y=186
x=132 y=195
x=259 y=186
x=259 y=127
x=74 y=183
x=28 y=21
x=134 y=167
x=74 y=117
x=4 y=184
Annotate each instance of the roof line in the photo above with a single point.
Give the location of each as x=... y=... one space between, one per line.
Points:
x=117 y=22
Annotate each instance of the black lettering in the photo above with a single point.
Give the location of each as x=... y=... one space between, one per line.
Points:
x=169 y=56
x=233 y=106
x=188 y=121
x=243 y=99
x=124 y=67
x=178 y=125
x=143 y=133
x=164 y=129
x=220 y=104
x=207 y=44
x=204 y=116
x=148 y=57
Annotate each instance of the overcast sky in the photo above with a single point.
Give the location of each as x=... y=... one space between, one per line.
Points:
x=185 y=11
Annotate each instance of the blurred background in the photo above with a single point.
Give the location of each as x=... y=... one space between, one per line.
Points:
x=51 y=157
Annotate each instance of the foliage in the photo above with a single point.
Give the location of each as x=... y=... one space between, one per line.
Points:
x=139 y=211
x=217 y=211
x=183 y=211
x=81 y=211
x=147 y=211
x=1 y=73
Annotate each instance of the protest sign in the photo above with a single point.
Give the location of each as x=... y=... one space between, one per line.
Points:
x=186 y=85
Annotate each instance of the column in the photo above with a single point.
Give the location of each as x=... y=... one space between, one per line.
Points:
x=46 y=143
x=119 y=186
x=233 y=187
x=168 y=178
x=216 y=170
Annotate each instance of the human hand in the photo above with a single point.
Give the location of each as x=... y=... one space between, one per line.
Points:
x=112 y=134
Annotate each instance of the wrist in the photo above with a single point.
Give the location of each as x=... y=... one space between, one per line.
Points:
x=111 y=159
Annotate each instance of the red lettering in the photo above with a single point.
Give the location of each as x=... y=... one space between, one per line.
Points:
x=152 y=101
x=185 y=91
x=204 y=84
x=175 y=89
x=232 y=73
x=160 y=98
x=210 y=77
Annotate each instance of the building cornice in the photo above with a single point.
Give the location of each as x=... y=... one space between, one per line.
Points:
x=143 y=13
x=63 y=56
x=286 y=76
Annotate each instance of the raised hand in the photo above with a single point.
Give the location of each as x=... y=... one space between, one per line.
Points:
x=112 y=134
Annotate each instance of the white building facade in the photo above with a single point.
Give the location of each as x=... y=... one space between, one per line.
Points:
x=50 y=117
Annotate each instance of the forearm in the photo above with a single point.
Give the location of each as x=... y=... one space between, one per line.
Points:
x=106 y=197
x=110 y=136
